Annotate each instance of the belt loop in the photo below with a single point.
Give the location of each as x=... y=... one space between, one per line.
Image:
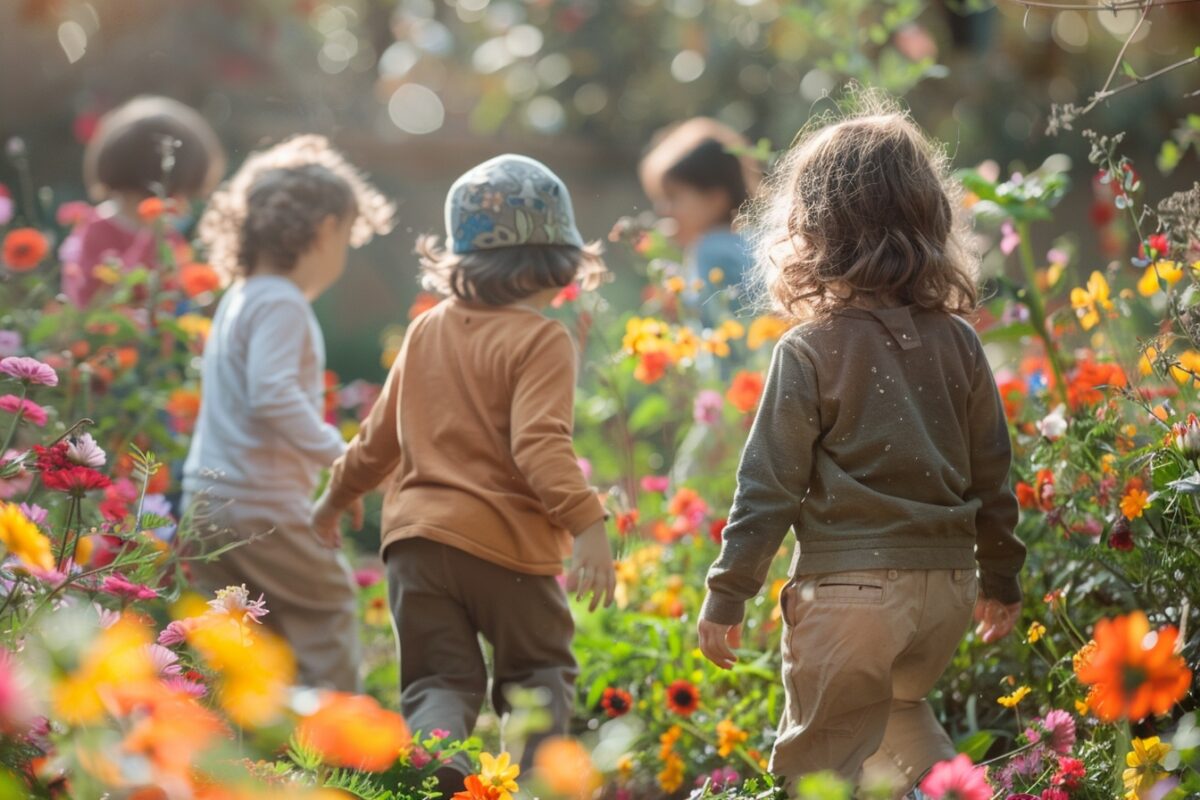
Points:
x=893 y=574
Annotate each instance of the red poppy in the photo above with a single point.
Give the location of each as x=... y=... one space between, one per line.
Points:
x=24 y=249
x=198 y=279
x=716 y=528
x=75 y=480
x=627 y=522
x=683 y=698
x=616 y=702
x=1012 y=392
x=745 y=390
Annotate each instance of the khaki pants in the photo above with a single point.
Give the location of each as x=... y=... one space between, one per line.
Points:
x=443 y=599
x=309 y=588
x=861 y=650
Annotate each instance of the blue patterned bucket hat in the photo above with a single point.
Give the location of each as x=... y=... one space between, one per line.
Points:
x=508 y=201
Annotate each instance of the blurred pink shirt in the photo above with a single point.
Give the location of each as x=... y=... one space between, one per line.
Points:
x=106 y=238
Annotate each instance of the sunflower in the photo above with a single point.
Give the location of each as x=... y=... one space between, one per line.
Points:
x=683 y=698
x=1133 y=671
x=616 y=702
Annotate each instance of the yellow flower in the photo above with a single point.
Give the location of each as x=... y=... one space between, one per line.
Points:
x=687 y=344
x=729 y=736
x=196 y=326
x=499 y=772
x=106 y=274
x=1145 y=766
x=349 y=429
x=670 y=778
x=1156 y=275
x=254 y=667
x=676 y=284
x=1187 y=368
x=717 y=275
x=731 y=329
x=1081 y=707
x=1134 y=503
x=23 y=539
x=716 y=345
x=625 y=767
x=119 y=658
x=765 y=329
x=1106 y=463
x=1036 y=631
x=1011 y=700
x=1090 y=302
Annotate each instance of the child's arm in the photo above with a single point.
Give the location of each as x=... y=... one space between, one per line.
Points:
x=772 y=482
x=373 y=454
x=999 y=552
x=277 y=399
x=542 y=423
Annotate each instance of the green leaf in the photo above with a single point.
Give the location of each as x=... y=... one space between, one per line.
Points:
x=650 y=412
x=1009 y=333
x=1127 y=68
x=976 y=745
x=1168 y=156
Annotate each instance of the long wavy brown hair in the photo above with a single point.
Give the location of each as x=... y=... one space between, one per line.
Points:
x=861 y=211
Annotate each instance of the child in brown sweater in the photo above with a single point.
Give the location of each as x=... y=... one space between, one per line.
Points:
x=485 y=497
x=881 y=440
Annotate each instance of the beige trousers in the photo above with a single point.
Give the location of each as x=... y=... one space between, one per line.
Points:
x=861 y=650
x=443 y=600
x=309 y=588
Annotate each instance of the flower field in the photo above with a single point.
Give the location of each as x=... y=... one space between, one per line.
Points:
x=116 y=681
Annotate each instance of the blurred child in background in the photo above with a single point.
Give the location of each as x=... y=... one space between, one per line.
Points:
x=698 y=178
x=282 y=226
x=149 y=147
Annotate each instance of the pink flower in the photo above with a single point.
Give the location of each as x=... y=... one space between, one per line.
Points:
x=107 y=616
x=420 y=757
x=29 y=370
x=27 y=408
x=655 y=483
x=1060 y=731
x=707 y=408
x=182 y=685
x=1009 y=238
x=6 y=209
x=957 y=779
x=10 y=343
x=439 y=733
x=16 y=712
x=235 y=601
x=1055 y=794
x=177 y=632
x=83 y=450
x=166 y=663
x=585 y=467
x=17 y=483
x=367 y=577
x=34 y=513
x=73 y=213
x=568 y=294
x=119 y=586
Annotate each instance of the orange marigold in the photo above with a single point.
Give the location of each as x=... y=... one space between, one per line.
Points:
x=197 y=279
x=353 y=731
x=745 y=391
x=24 y=249
x=652 y=366
x=1133 y=670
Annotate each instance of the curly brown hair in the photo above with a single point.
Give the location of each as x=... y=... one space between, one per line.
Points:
x=504 y=275
x=271 y=207
x=862 y=211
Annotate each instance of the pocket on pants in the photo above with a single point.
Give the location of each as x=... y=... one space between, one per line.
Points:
x=850 y=588
x=966 y=581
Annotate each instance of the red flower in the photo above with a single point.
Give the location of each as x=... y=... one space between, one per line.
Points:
x=651 y=366
x=1040 y=495
x=119 y=586
x=1159 y=246
x=75 y=480
x=627 y=522
x=745 y=391
x=1089 y=381
x=1070 y=772
x=568 y=294
x=1121 y=536
x=683 y=698
x=616 y=702
x=24 y=249
x=48 y=459
x=716 y=528
x=1012 y=392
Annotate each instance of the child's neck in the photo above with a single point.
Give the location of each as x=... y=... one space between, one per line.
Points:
x=537 y=302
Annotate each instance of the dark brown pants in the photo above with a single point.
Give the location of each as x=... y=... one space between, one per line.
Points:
x=443 y=599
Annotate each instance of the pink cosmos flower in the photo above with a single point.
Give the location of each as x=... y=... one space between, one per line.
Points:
x=655 y=483
x=34 y=513
x=367 y=577
x=119 y=586
x=957 y=779
x=29 y=370
x=166 y=662
x=177 y=632
x=235 y=601
x=707 y=408
x=83 y=450
x=27 y=408
x=183 y=685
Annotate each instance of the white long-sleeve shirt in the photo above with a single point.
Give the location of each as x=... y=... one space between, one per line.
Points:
x=260 y=436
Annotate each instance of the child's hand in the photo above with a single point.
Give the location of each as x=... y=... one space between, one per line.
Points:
x=326 y=520
x=718 y=642
x=996 y=620
x=592 y=567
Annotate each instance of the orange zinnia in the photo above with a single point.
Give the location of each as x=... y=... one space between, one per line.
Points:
x=1133 y=671
x=353 y=731
x=197 y=279
x=651 y=366
x=476 y=789
x=745 y=391
x=24 y=249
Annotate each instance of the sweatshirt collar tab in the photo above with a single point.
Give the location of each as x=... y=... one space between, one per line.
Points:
x=899 y=323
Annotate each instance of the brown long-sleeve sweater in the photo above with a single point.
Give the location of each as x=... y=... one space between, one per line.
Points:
x=881 y=440
x=473 y=429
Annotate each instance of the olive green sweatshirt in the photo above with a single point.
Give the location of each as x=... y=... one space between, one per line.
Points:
x=881 y=441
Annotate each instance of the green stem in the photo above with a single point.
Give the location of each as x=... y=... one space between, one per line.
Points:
x=62 y=552
x=1036 y=304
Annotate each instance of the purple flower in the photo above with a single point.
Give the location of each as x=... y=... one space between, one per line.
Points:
x=83 y=450
x=29 y=370
x=1009 y=238
x=34 y=513
x=707 y=408
x=10 y=343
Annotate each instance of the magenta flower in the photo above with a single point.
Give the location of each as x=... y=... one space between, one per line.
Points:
x=957 y=779
x=26 y=408
x=6 y=209
x=367 y=577
x=440 y=733
x=585 y=467
x=655 y=483
x=176 y=632
x=16 y=710
x=707 y=408
x=119 y=586
x=1009 y=238
x=84 y=451
x=419 y=757
x=1059 y=729
x=29 y=371
x=1055 y=794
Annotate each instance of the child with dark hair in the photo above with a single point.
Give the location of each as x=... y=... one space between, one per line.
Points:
x=881 y=441
x=699 y=181
x=282 y=226
x=484 y=495
x=150 y=146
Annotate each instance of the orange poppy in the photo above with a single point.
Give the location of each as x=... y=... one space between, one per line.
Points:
x=745 y=391
x=1133 y=671
x=353 y=731
x=24 y=249
x=1090 y=380
x=197 y=279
